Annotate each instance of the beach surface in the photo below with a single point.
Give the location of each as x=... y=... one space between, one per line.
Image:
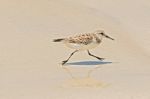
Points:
x=30 y=63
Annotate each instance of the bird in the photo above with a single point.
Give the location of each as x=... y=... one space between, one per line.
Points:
x=83 y=42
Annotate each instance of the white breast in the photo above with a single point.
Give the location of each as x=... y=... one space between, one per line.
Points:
x=81 y=46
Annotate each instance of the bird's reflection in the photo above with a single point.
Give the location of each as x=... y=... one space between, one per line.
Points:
x=89 y=67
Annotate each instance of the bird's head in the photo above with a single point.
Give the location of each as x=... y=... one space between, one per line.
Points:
x=102 y=34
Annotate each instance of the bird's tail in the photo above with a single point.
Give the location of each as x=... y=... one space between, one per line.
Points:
x=58 y=40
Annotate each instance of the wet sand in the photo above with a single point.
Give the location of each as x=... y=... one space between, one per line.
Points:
x=30 y=62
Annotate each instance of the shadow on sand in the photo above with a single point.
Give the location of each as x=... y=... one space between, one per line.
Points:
x=88 y=63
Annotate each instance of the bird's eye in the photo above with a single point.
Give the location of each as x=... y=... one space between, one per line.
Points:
x=102 y=33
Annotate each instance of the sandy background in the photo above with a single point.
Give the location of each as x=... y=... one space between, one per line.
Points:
x=30 y=62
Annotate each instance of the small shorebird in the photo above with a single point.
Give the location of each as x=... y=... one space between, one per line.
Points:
x=84 y=42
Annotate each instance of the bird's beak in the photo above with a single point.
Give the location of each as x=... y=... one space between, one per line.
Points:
x=109 y=37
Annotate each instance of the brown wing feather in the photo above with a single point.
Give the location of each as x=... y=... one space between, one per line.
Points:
x=81 y=39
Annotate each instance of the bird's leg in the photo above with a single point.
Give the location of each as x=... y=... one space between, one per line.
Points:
x=94 y=55
x=65 y=61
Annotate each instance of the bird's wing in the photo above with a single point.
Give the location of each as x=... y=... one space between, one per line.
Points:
x=81 y=39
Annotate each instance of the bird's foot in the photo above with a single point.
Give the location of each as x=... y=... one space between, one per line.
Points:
x=63 y=62
x=100 y=58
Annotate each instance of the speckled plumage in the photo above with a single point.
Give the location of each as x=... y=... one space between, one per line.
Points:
x=82 y=41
